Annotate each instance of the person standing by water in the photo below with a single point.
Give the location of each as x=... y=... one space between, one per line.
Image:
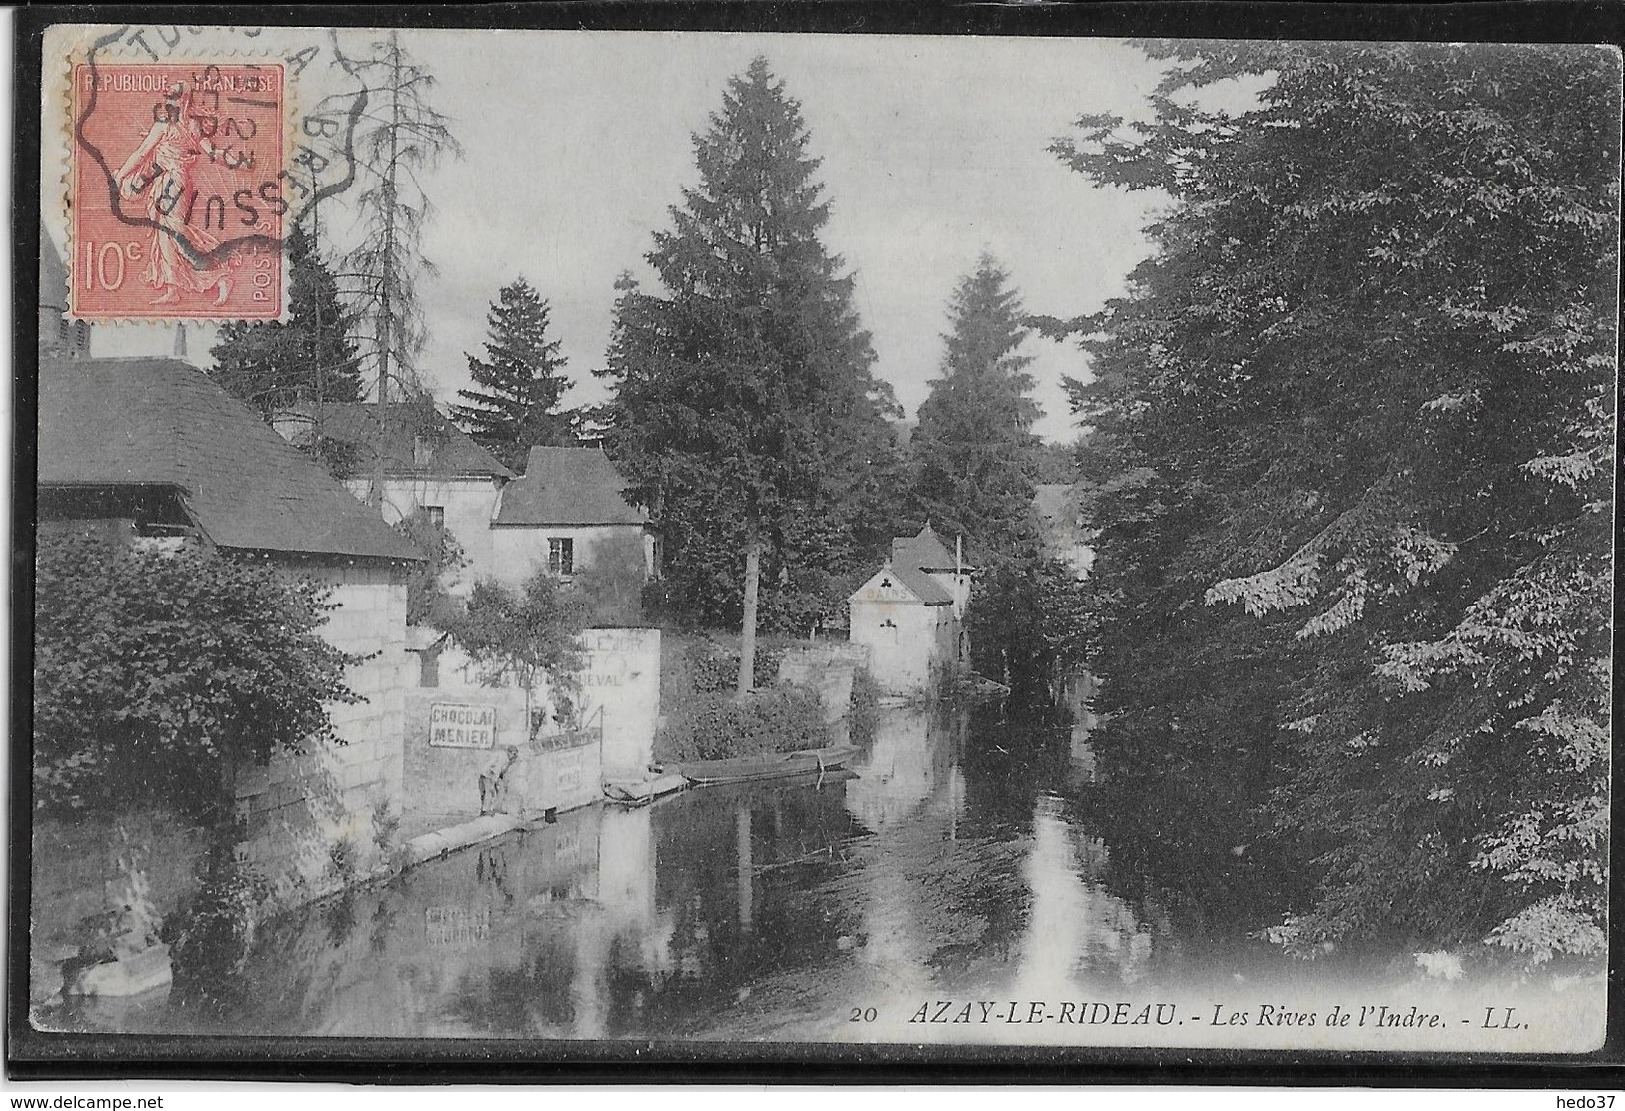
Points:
x=182 y=257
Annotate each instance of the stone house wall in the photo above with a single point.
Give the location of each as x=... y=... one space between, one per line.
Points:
x=519 y=551
x=469 y=503
x=315 y=818
x=826 y=669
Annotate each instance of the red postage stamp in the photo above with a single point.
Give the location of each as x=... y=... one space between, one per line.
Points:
x=176 y=207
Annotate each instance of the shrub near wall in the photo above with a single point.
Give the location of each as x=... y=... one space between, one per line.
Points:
x=707 y=663
x=865 y=709
x=719 y=726
x=714 y=668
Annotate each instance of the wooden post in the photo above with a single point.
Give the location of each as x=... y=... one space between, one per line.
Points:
x=747 y=635
x=745 y=865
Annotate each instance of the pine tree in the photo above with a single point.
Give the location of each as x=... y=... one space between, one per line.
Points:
x=310 y=358
x=523 y=376
x=974 y=454
x=745 y=406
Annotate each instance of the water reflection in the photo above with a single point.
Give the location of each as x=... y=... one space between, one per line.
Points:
x=966 y=853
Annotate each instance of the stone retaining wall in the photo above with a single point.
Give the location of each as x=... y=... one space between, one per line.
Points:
x=316 y=818
x=827 y=670
x=555 y=771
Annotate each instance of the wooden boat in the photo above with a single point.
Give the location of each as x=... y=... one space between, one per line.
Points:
x=977 y=686
x=641 y=792
x=772 y=765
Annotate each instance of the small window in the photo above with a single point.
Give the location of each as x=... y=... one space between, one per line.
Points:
x=437 y=515
x=561 y=557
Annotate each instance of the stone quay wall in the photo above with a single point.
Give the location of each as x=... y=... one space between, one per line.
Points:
x=827 y=670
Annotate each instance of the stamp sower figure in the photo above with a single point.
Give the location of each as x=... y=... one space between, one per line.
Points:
x=181 y=257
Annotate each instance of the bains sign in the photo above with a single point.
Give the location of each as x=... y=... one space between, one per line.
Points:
x=460 y=725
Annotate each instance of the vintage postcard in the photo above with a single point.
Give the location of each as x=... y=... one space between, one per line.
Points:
x=691 y=539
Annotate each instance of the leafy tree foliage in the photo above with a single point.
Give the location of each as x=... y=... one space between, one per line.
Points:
x=612 y=580
x=745 y=407
x=720 y=727
x=523 y=379
x=427 y=602
x=524 y=636
x=155 y=675
x=311 y=358
x=1353 y=460
x=1030 y=623
x=974 y=454
x=275 y=365
x=1058 y=463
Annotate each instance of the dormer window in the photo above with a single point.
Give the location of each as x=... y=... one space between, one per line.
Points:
x=422 y=451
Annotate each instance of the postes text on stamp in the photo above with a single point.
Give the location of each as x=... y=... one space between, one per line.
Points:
x=176 y=206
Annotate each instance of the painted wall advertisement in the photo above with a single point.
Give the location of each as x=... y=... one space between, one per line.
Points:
x=461 y=725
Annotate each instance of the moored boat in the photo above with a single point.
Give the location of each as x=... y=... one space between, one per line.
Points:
x=641 y=792
x=772 y=765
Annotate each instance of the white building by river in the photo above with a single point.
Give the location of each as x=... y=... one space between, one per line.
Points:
x=911 y=614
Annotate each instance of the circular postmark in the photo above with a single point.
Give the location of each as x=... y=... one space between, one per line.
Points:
x=191 y=163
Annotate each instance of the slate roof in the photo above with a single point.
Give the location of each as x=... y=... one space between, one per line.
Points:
x=924 y=550
x=921 y=585
x=453 y=453
x=568 y=486
x=156 y=421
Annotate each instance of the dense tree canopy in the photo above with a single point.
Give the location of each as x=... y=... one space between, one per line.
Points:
x=974 y=454
x=275 y=365
x=521 y=381
x=1352 y=453
x=157 y=674
x=745 y=408
x=525 y=636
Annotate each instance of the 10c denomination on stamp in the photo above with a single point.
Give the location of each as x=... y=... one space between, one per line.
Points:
x=176 y=205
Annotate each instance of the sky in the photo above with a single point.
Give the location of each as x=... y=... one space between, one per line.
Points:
x=933 y=151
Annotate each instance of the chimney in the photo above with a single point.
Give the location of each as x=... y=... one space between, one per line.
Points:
x=180 y=340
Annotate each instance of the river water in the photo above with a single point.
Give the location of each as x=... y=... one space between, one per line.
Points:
x=967 y=859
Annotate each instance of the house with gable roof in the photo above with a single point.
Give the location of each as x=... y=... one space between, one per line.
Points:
x=152 y=452
x=428 y=464
x=569 y=513
x=911 y=614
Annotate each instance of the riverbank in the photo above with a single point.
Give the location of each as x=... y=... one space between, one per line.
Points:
x=966 y=859
x=803 y=689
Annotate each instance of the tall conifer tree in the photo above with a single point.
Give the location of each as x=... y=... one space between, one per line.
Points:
x=1355 y=464
x=974 y=453
x=523 y=379
x=273 y=365
x=745 y=406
